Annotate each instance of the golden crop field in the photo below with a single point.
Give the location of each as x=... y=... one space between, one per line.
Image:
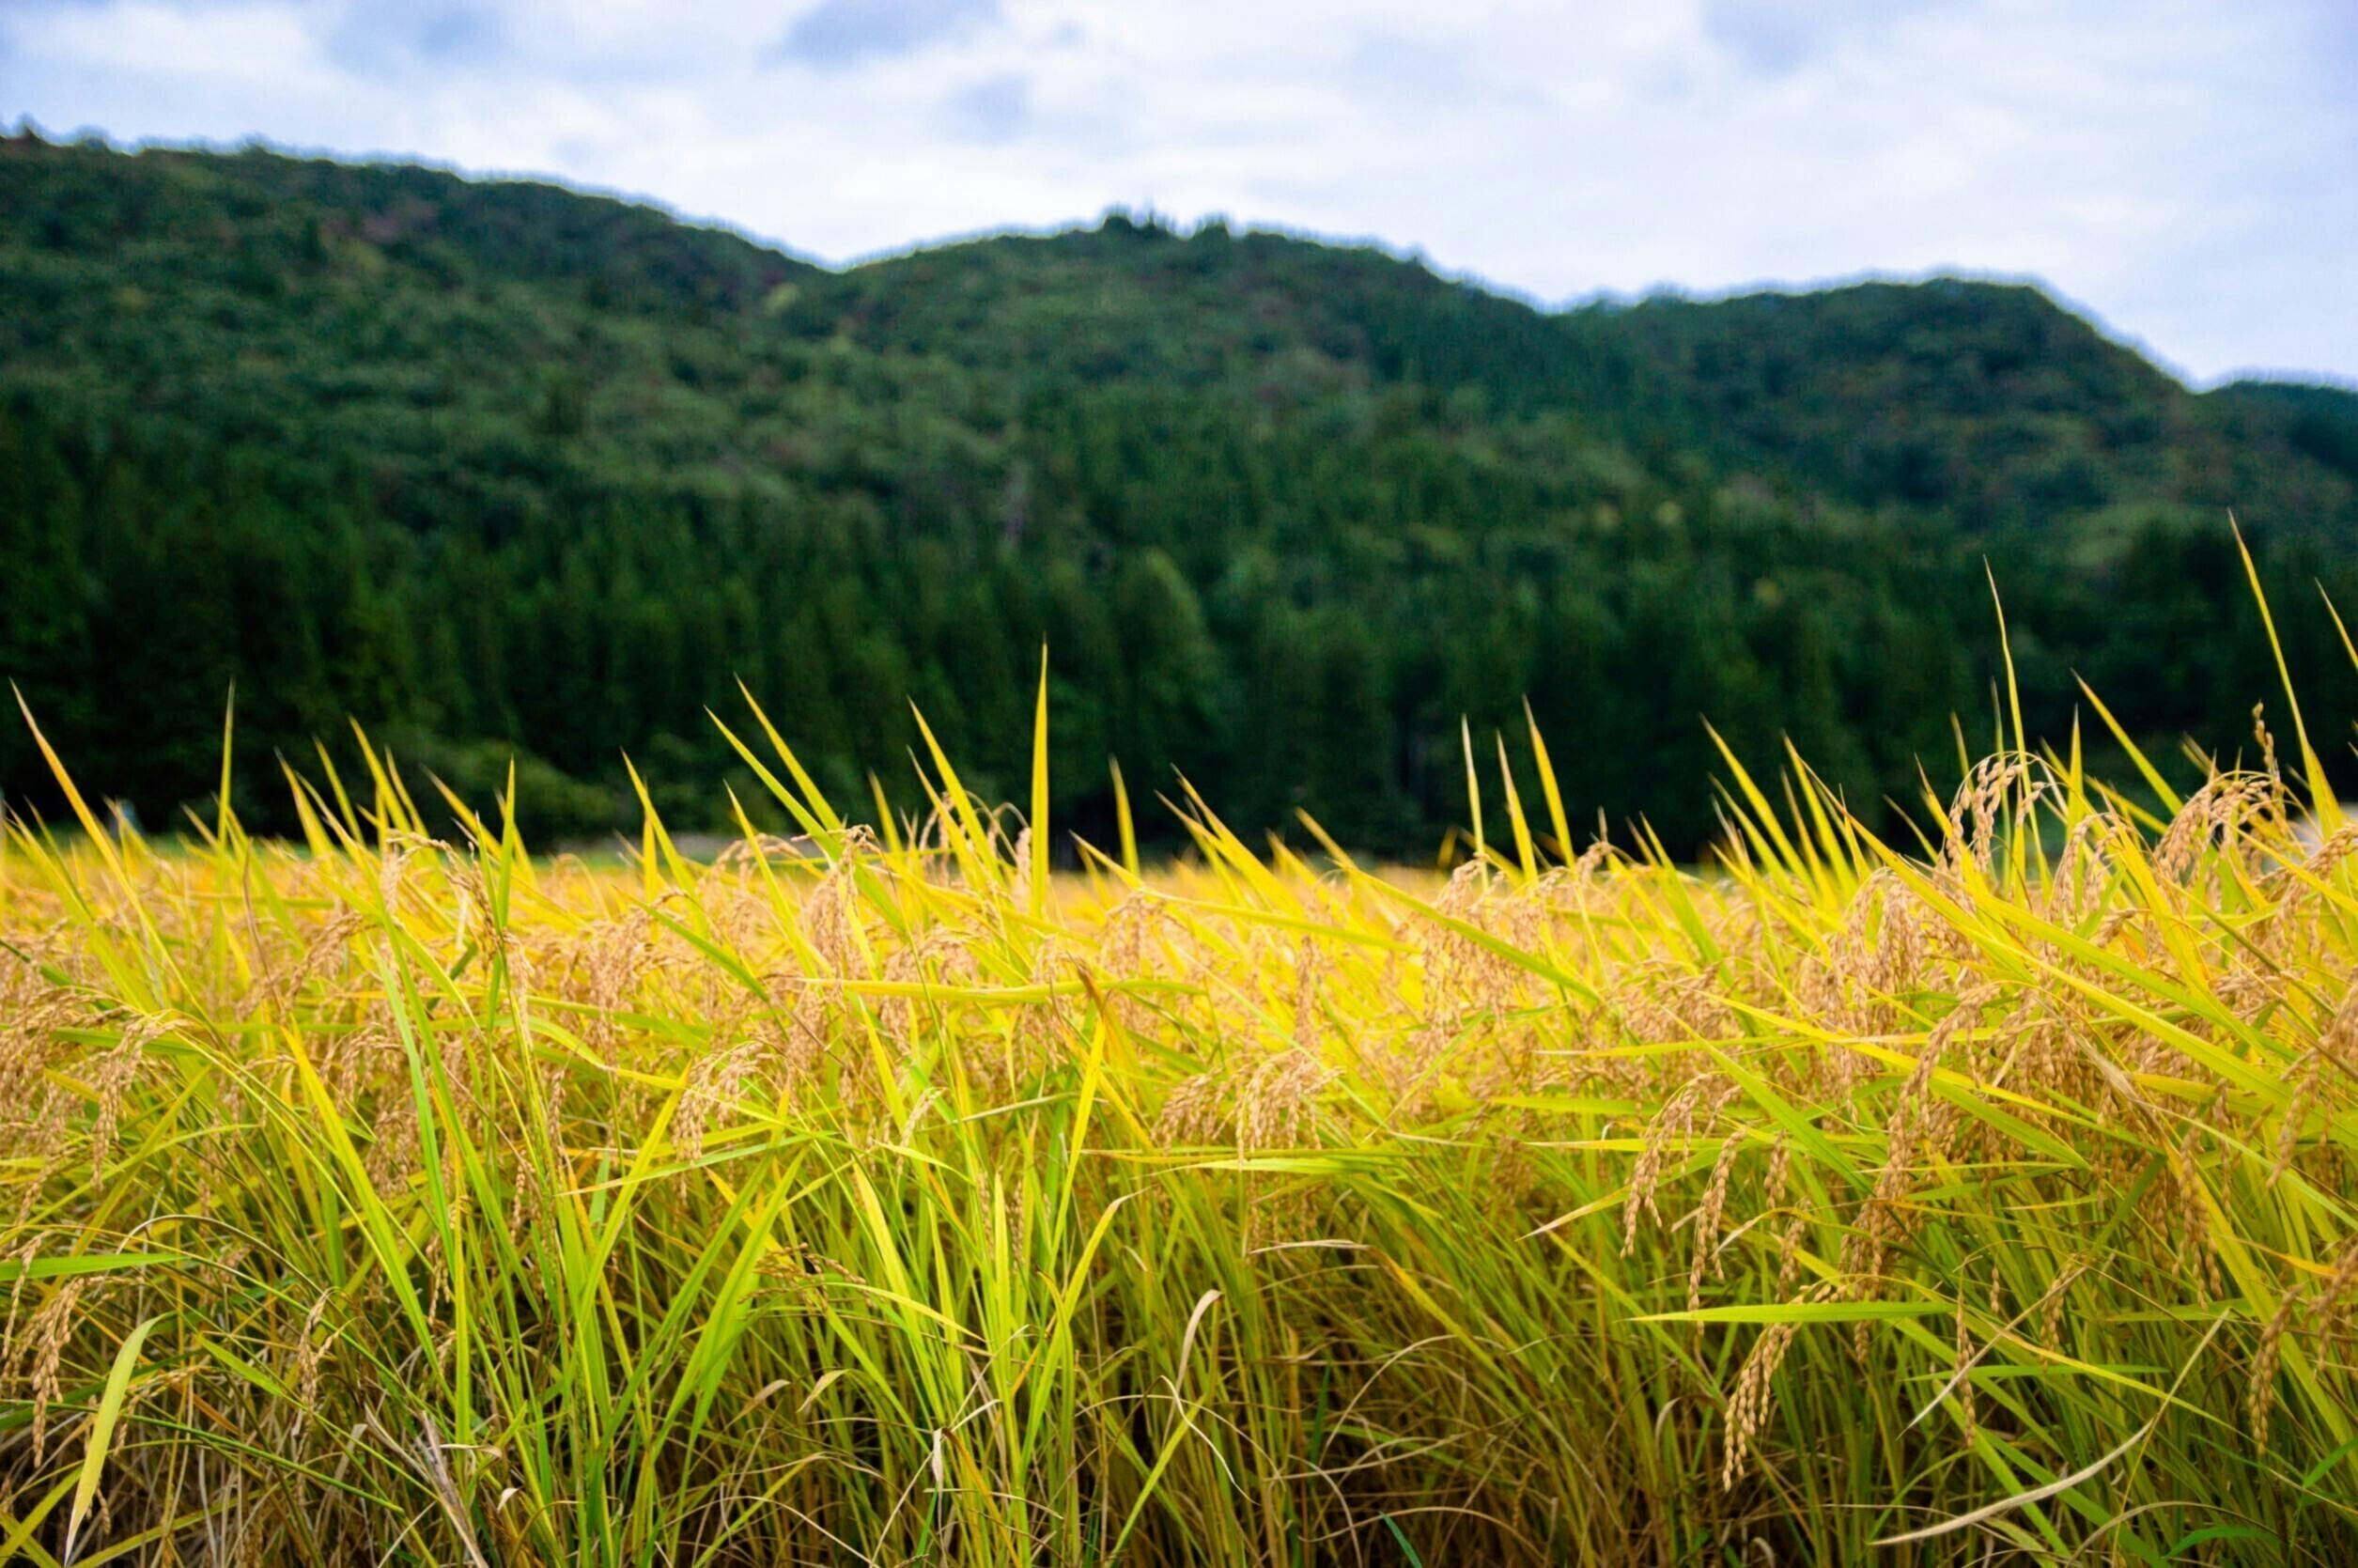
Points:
x=893 y=1199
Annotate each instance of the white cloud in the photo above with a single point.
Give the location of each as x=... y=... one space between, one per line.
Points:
x=249 y=45
x=837 y=33
x=2189 y=171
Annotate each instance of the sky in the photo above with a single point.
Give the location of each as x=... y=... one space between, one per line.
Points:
x=2184 y=170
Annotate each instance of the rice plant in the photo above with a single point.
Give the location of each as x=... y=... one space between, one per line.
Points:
x=891 y=1196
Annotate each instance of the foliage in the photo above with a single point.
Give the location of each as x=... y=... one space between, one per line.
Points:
x=878 y=1196
x=497 y=466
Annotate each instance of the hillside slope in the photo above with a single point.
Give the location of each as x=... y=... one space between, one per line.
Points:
x=494 y=465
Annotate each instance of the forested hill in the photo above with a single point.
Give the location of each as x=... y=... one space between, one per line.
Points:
x=499 y=467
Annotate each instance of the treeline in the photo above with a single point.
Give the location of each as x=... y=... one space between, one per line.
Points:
x=1282 y=516
x=1283 y=650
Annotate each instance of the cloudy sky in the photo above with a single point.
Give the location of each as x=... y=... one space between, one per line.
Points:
x=2185 y=169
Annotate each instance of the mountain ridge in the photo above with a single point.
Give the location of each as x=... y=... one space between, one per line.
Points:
x=636 y=256
x=1416 y=255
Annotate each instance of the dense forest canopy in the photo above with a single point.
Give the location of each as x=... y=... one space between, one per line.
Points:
x=500 y=469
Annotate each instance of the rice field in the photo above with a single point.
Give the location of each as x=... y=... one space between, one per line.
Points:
x=888 y=1196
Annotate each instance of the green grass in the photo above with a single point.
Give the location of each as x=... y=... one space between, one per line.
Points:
x=375 y=1199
